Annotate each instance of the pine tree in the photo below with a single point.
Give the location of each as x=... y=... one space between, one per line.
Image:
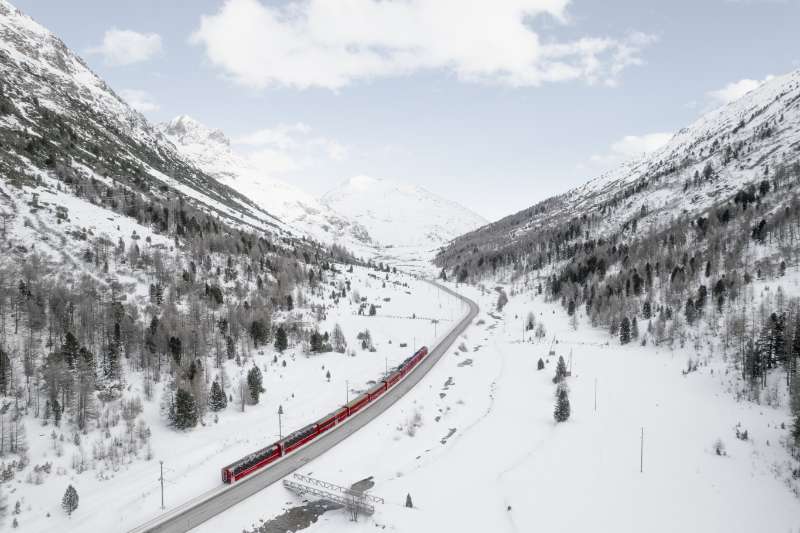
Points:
x=185 y=415
x=562 y=409
x=561 y=370
x=316 y=341
x=111 y=366
x=690 y=311
x=230 y=347
x=634 y=329
x=281 y=342
x=338 y=339
x=255 y=383
x=625 y=331
x=70 y=350
x=5 y=372
x=540 y=364
x=217 y=401
x=409 y=503
x=372 y=310
x=176 y=349
x=70 y=500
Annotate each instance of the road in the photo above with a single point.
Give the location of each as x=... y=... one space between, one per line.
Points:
x=196 y=511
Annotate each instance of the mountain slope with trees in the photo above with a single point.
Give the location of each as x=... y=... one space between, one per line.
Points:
x=682 y=245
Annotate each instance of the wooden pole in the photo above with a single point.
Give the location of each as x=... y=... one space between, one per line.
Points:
x=162 y=484
x=641 y=453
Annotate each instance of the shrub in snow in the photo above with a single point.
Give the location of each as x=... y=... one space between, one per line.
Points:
x=719 y=447
x=414 y=422
x=540 y=364
x=409 y=504
x=530 y=322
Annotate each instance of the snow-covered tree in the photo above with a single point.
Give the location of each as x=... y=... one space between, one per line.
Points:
x=70 y=500
x=281 y=341
x=255 y=384
x=185 y=410
x=338 y=340
x=562 y=409
x=625 y=331
x=217 y=401
x=561 y=370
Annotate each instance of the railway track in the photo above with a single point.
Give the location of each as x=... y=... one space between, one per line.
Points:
x=209 y=504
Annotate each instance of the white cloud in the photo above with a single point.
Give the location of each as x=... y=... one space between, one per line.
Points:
x=273 y=162
x=318 y=43
x=735 y=90
x=139 y=100
x=630 y=147
x=125 y=47
x=282 y=136
x=290 y=147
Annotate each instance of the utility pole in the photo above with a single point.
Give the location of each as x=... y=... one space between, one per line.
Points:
x=641 y=453
x=346 y=392
x=280 y=429
x=162 y=484
x=386 y=372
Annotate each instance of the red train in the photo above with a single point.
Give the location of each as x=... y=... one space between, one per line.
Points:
x=261 y=458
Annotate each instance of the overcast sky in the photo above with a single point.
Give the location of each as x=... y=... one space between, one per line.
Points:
x=496 y=104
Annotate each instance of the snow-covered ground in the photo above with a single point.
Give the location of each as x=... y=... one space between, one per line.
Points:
x=192 y=459
x=487 y=455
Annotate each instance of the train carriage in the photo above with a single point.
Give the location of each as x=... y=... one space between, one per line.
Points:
x=376 y=391
x=356 y=405
x=250 y=463
x=256 y=460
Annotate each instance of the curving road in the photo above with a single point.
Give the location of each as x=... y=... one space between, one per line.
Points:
x=196 y=511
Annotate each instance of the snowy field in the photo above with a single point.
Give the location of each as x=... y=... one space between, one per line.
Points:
x=476 y=447
x=192 y=459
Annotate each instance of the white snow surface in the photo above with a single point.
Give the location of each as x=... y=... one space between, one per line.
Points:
x=507 y=467
x=407 y=220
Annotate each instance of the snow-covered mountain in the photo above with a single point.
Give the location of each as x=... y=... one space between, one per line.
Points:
x=401 y=215
x=58 y=116
x=210 y=150
x=702 y=167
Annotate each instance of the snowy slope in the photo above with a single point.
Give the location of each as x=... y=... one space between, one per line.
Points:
x=402 y=215
x=210 y=150
x=57 y=113
x=740 y=142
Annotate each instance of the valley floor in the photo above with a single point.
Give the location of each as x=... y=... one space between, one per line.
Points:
x=120 y=498
x=476 y=447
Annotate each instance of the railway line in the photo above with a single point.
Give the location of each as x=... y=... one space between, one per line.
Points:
x=209 y=504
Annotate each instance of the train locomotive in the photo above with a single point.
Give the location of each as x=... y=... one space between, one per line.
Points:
x=263 y=457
